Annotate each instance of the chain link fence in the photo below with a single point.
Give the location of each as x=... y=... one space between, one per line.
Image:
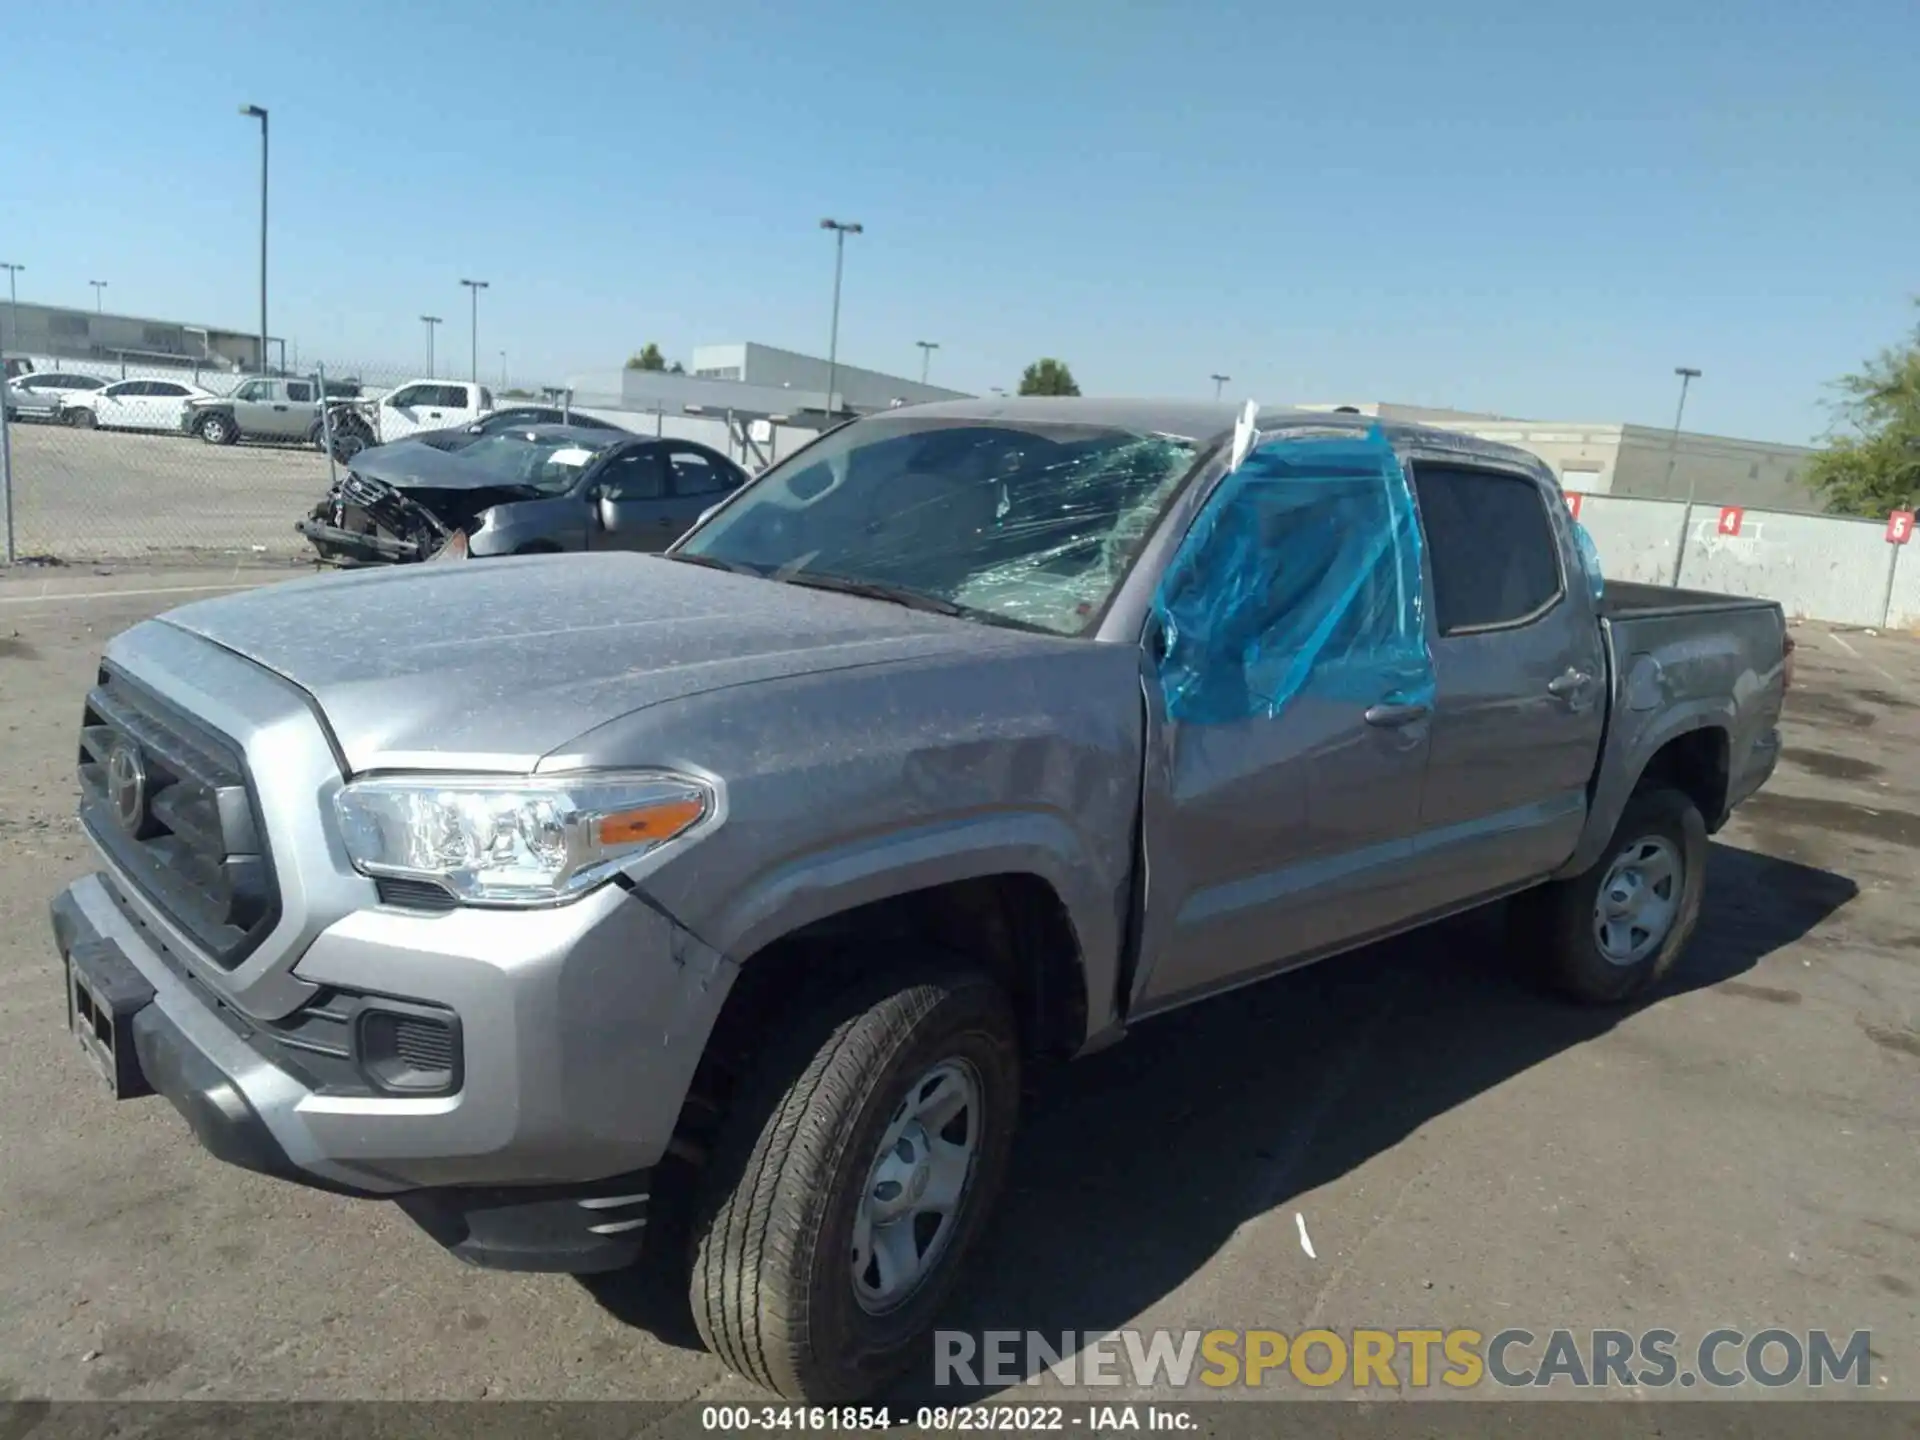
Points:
x=144 y=467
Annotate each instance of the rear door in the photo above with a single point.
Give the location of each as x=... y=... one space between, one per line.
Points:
x=699 y=479
x=163 y=405
x=292 y=410
x=1519 y=683
x=636 y=484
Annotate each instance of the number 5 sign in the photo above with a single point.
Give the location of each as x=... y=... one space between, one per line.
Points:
x=1899 y=527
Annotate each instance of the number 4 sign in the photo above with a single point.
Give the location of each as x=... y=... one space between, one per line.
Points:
x=1899 y=527
x=1573 y=502
x=1730 y=518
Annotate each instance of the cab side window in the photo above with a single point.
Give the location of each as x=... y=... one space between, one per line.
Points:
x=1494 y=556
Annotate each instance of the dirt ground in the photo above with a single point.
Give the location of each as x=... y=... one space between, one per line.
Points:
x=1739 y=1150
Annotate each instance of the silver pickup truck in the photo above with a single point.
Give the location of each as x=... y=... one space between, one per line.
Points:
x=540 y=895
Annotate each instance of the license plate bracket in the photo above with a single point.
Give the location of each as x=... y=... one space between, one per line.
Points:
x=104 y=993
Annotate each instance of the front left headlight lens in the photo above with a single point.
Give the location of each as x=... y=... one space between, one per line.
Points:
x=520 y=840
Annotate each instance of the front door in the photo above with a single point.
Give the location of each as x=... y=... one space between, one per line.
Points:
x=1289 y=691
x=1519 y=680
x=253 y=407
x=643 y=511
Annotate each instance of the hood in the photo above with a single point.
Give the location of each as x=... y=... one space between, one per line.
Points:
x=492 y=666
x=410 y=464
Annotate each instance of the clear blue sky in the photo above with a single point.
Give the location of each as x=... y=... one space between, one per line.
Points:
x=1533 y=208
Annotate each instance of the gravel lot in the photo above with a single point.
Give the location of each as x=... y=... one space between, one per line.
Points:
x=125 y=495
x=1740 y=1150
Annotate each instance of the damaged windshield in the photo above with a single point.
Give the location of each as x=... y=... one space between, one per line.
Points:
x=549 y=466
x=1033 y=524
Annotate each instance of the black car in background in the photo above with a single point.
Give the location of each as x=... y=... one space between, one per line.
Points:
x=522 y=491
x=519 y=417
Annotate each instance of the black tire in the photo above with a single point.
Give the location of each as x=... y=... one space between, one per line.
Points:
x=81 y=418
x=538 y=547
x=1557 y=925
x=349 y=441
x=217 y=429
x=772 y=1285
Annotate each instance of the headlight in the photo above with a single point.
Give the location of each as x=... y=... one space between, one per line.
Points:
x=521 y=840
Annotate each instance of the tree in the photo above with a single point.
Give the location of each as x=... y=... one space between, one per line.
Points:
x=1871 y=463
x=647 y=358
x=1048 y=377
x=676 y=368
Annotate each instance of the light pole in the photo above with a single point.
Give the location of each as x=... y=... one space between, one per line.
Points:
x=13 y=319
x=840 y=233
x=1687 y=374
x=430 y=321
x=1218 y=381
x=503 y=370
x=474 y=287
x=98 y=286
x=261 y=115
x=927 y=347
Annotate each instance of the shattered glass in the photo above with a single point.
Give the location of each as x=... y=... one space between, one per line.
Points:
x=1029 y=524
x=1301 y=575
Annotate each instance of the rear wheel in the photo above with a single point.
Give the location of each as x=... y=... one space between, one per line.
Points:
x=217 y=429
x=82 y=418
x=1608 y=934
x=851 y=1179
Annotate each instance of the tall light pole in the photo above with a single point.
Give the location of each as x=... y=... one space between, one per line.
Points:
x=1687 y=375
x=260 y=114
x=430 y=321
x=1218 y=381
x=927 y=347
x=840 y=233
x=13 y=318
x=98 y=286
x=474 y=287
x=503 y=370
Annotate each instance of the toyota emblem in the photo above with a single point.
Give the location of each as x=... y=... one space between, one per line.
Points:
x=127 y=785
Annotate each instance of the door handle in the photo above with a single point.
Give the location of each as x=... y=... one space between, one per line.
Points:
x=1393 y=715
x=1568 y=684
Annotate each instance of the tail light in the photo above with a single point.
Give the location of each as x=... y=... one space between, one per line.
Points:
x=1786 y=661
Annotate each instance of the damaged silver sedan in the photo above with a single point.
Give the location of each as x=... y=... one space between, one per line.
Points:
x=538 y=490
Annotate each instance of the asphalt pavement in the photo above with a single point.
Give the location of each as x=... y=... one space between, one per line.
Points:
x=1453 y=1149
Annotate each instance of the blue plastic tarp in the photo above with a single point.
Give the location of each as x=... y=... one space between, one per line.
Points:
x=1301 y=575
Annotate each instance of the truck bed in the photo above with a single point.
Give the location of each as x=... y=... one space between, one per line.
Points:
x=1629 y=600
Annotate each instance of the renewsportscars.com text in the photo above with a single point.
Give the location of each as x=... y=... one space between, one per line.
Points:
x=1405 y=1359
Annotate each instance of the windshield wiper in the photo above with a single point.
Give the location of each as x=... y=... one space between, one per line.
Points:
x=875 y=590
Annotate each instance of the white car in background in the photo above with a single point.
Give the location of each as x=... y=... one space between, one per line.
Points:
x=132 y=405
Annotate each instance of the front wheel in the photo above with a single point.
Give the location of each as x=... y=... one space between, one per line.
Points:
x=82 y=418
x=851 y=1180
x=1608 y=934
x=218 y=430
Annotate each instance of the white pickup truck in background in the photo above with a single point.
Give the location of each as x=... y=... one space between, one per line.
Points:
x=406 y=410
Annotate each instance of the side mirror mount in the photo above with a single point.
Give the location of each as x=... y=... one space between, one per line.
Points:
x=603 y=508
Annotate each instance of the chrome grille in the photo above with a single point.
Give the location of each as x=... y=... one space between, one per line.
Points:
x=167 y=800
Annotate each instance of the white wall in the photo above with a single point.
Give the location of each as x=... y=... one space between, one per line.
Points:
x=1819 y=567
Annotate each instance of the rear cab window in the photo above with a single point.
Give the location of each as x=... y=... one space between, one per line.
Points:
x=1494 y=557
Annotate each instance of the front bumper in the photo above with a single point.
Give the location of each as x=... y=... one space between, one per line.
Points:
x=541 y=1161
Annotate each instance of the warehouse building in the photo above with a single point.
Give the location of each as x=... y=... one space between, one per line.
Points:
x=59 y=332
x=1642 y=461
x=748 y=380
x=862 y=390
